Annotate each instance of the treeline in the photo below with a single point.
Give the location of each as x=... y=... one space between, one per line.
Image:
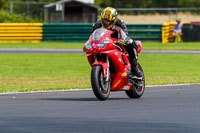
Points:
x=126 y=3
x=20 y=11
x=36 y=13
x=6 y=17
x=147 y=3
x=5 y=3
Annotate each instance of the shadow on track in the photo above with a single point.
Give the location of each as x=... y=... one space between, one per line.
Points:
x=69 y=99
x=81 y=99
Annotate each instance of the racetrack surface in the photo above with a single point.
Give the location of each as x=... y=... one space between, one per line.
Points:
x=162 y=109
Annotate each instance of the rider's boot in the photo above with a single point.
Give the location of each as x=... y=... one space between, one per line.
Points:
x=134 y=69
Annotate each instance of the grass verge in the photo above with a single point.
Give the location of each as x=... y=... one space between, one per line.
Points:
x=146 y=45
x=36 y=72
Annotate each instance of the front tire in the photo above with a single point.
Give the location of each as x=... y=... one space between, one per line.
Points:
x=100 y=86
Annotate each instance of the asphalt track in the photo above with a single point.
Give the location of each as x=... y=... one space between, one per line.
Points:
x=162 y=109
x=68 y=51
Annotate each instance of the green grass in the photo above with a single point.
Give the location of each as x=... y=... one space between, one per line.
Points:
x=172 y=46
x=34 y=72
x=163 y=69
x=72 y=45
x=146 y=45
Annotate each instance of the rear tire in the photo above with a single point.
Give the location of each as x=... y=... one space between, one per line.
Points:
x=100 y=87
x=138 y=86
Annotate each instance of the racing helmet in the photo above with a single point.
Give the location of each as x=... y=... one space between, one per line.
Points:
x=108 y=17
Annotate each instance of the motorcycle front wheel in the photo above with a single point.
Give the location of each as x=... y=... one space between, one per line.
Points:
x=100 y=86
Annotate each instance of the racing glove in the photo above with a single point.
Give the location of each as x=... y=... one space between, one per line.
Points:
x=130 y=41
x=121 y=42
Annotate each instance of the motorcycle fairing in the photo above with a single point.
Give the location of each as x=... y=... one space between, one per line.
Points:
x=103 y=45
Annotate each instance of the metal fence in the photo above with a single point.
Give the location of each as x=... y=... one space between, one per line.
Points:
x=129 y=15
x=28 y=9
x=158 y=15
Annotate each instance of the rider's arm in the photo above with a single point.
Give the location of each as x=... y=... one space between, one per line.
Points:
x=121 y=34
x=120 y=23
x=124 y=39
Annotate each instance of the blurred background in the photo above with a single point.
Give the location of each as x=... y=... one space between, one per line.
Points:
x=151 y=20
x=131 y=11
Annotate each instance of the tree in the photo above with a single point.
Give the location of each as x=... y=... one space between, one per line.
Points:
x=147 y=3
x=2 y=3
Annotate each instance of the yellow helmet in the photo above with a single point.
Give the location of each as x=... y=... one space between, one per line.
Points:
x=108 y=17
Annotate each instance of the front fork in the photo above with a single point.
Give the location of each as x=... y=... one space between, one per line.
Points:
x=105 y=65
x=108 y=68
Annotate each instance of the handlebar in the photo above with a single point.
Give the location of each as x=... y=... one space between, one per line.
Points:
x=118 y=48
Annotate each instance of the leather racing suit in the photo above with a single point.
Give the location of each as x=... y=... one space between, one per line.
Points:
x=121 y=32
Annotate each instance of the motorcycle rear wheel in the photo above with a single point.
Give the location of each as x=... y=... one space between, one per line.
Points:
x=100 y=86
x=138 y=86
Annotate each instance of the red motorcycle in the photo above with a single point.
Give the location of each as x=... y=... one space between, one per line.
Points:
x=111 y=69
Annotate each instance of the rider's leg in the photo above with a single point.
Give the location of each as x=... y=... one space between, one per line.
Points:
x=133 y=56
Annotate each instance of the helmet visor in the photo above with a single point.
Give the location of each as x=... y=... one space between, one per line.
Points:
x=107 y=23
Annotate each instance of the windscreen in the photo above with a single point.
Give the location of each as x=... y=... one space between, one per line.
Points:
x=98 y=33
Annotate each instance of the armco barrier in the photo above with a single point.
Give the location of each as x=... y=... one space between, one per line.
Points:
x=81 y=32
x=150 y=32
x=36 y=32
x=66 y=32
x=20 y=32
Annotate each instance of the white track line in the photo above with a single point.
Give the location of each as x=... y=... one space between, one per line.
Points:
x=173 y=85
x=32 y=92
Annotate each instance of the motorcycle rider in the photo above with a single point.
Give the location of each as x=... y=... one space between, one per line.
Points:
x=110 y=21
